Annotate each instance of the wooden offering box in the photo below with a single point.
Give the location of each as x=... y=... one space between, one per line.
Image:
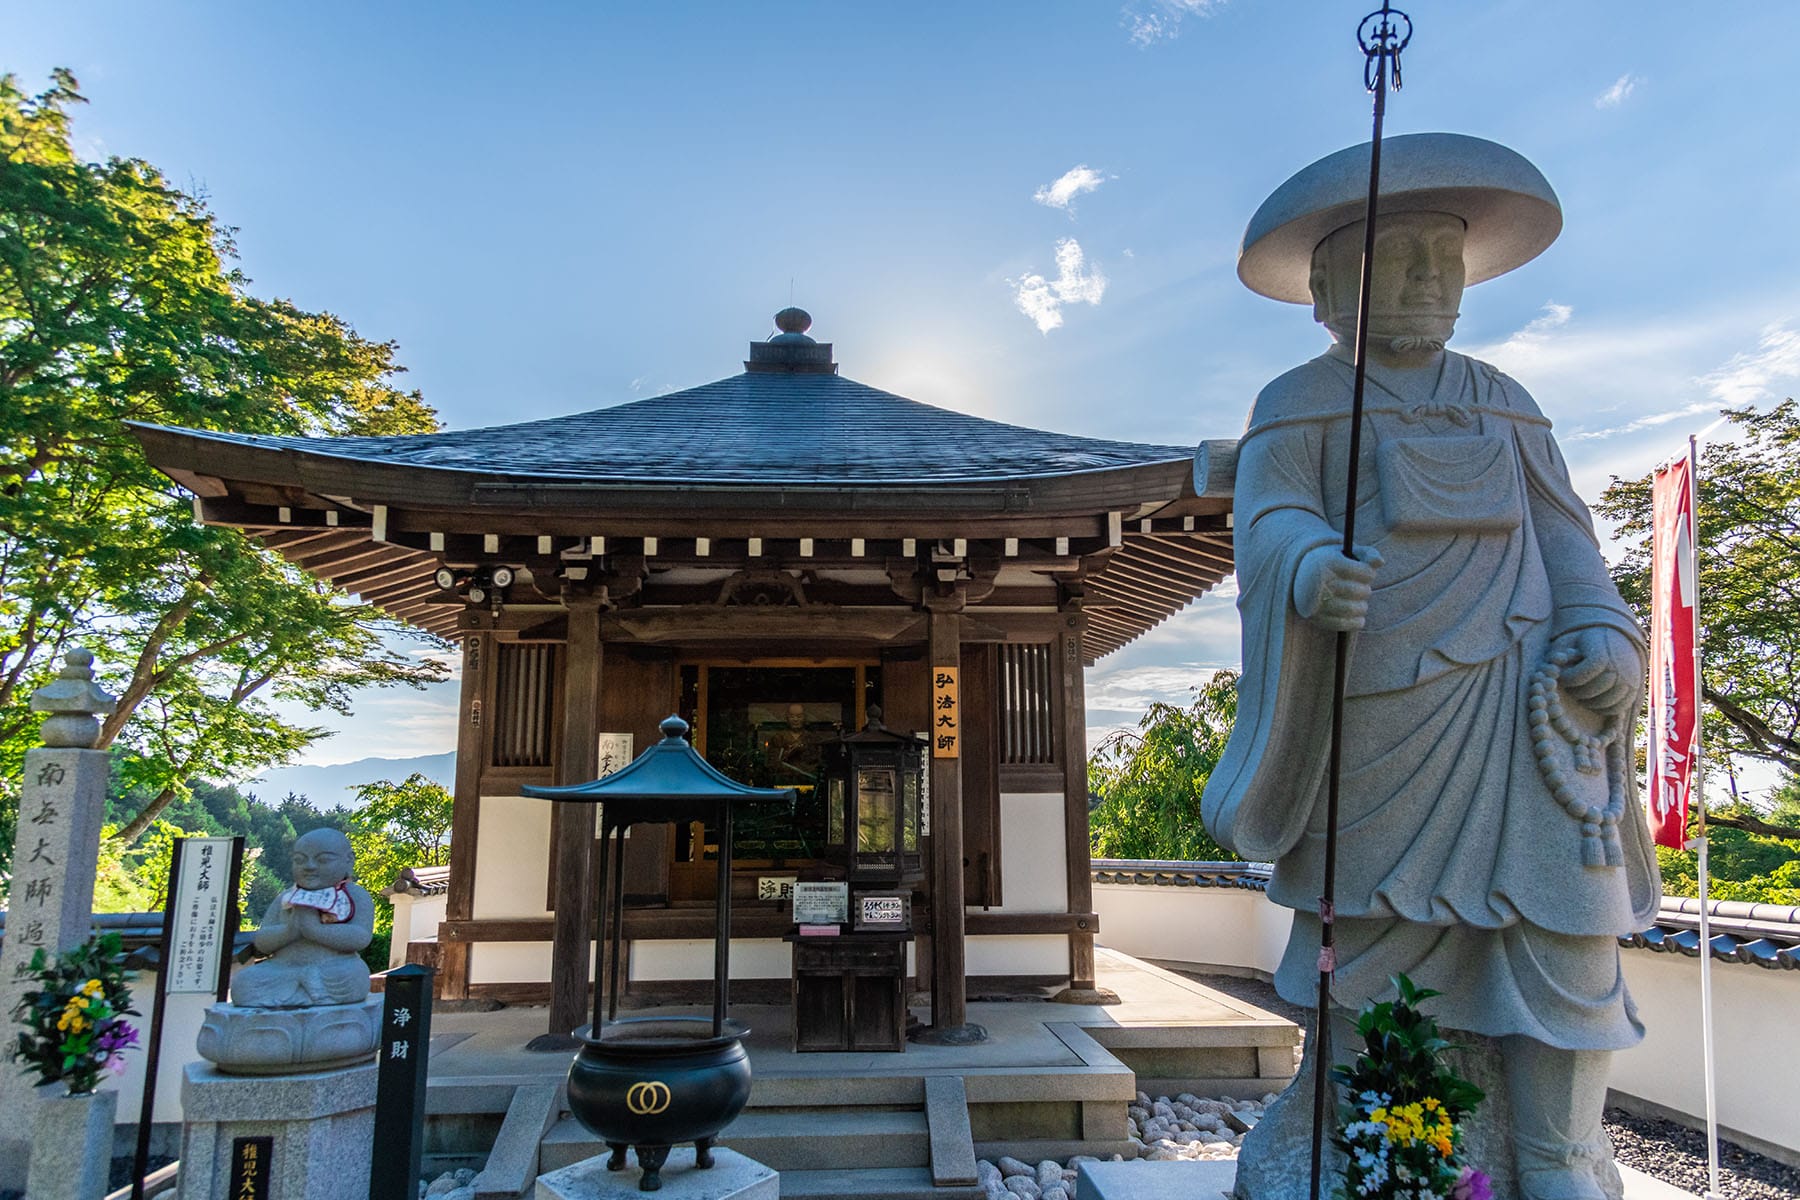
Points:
x=850 y=991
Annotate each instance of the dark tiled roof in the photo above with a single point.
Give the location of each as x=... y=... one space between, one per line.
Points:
x=140 y=936
x=420 y=881
x=1254 y=876
x=1767 y=935
x=754 y=428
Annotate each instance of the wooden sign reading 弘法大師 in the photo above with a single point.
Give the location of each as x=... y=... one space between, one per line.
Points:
x=946 y=713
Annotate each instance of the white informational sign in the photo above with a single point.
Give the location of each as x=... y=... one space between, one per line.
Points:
x=201 y=907
x=615 y=752
x=821 y=903
x=881 y=912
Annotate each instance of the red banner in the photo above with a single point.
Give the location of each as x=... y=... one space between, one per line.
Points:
x=1674 y=653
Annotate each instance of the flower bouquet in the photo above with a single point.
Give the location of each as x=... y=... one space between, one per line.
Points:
x=1402 y=1130
x=74 y=1021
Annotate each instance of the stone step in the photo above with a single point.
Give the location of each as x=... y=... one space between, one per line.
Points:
x=887 y=1183
x=787 y=1140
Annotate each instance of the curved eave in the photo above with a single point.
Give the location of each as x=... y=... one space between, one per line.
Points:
x=1148 y=576
x=186 y=454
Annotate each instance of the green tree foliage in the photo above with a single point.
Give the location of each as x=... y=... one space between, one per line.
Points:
x=1749 y=535
x=398 y=825
x=1751 y=855
x=119 y=302
x=395 y=826
x=1149 y=780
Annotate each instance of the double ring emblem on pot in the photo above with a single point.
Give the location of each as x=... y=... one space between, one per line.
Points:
x=648 y=1097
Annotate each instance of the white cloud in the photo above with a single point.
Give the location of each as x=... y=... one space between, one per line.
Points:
x=1532 y=338
x=1750 y=377
x=1624 y=394
x=1076 y=283
x=1076 y=181
x=1160 y=20
x=1619 y=92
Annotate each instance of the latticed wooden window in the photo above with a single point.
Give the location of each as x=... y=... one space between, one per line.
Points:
x=1027 y=710
x=524 y=702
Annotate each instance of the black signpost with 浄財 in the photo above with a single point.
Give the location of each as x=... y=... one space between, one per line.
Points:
x=400 y=1083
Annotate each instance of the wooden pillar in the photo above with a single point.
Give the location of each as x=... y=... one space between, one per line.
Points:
x=949 y=978
x=1076 y=842
x=572 y=825
x=465 y=819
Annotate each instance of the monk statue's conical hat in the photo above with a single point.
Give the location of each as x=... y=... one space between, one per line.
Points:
x=1511 y=212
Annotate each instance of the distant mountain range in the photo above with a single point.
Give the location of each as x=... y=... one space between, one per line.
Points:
x=329 y=787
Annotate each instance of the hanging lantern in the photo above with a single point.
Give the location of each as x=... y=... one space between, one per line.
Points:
x=875 y=803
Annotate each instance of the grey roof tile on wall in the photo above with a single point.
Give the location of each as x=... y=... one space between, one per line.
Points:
x=1765 y=935
x=755 y=428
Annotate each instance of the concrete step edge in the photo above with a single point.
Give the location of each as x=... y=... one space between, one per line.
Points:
x=887 y=1183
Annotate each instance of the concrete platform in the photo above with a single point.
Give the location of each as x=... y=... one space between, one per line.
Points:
x=1159 y=1012
x=1053 y=1080
x=1215 y=1180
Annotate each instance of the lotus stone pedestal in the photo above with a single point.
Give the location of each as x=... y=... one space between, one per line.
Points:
x=279 y=1041
x=731 y=1177
x=321 y=1126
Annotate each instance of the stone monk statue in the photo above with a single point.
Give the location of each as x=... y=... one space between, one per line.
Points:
x=1491 y=845
x=312 y=933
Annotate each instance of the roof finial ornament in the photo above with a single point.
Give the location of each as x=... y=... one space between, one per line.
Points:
x=793 y=320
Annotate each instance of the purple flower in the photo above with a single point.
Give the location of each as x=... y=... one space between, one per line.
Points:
x=1472 y=1184
x=116 y=1036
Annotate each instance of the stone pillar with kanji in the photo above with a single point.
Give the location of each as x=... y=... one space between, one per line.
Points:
x=51 y=902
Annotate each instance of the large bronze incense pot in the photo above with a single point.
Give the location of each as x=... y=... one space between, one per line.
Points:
x=652 y=1083
x=658 y=1081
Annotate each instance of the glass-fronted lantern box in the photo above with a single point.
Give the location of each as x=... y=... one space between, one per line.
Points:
x=874 y=803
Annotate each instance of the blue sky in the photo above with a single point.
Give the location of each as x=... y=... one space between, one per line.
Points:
x=1028 y=211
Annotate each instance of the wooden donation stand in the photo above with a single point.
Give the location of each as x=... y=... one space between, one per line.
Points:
x=849 y=985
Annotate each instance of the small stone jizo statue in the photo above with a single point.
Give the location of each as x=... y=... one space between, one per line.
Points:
x=1490 y=842
x=313 y=933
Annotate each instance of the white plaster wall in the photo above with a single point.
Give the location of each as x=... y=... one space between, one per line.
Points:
x=1018 y=954
x=1757 y=1055
x=692 y=958
x=416 y=919
x=514 y=962
x=1229 y=927
x=181 y=1029
x=512 y=859
x=1034 y=860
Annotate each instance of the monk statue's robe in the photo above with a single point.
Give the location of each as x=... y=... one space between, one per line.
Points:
x=1477 y=853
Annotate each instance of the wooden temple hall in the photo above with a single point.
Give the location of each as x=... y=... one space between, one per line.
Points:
x=783 y=558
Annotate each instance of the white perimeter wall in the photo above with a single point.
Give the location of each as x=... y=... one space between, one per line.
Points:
x=1756 y=1012
x=181 y=1030
x=1755 y=1009
x=416 y=919
x=1227 y=927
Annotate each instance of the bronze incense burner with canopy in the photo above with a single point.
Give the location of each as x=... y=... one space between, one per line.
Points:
x=651 y=1083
